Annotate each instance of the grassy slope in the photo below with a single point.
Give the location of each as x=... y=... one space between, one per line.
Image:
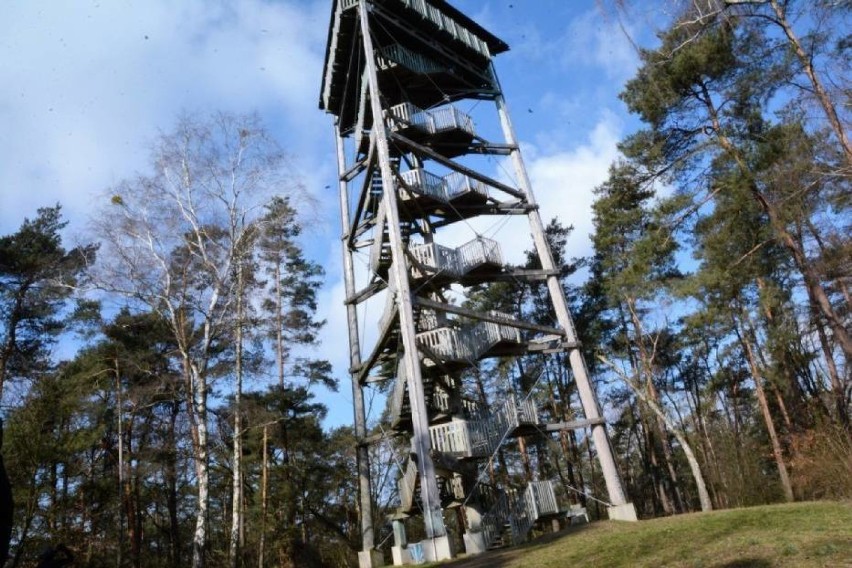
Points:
x=796 y=535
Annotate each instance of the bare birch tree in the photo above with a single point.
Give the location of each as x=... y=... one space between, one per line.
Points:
x=174 y=243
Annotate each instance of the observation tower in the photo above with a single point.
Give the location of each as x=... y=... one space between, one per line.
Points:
x=415 y=173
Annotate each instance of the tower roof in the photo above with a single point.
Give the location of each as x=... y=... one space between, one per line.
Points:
x=342 y=31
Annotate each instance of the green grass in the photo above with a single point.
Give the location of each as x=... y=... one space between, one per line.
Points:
x=799 y=535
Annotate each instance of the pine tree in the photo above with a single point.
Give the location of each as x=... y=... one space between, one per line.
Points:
x=37 y=279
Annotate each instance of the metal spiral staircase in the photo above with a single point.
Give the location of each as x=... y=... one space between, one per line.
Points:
x=394 y=70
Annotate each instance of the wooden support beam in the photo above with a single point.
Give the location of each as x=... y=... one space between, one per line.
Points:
x=525 y=275
x=358 y=167
x=368 y=364
x=362 y=198
x=366 y=292
x=573 y=425
x=455 y=166
x=376 y=379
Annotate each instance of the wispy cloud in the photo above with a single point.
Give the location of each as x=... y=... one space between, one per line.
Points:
x=85 y=87
x=596 y=40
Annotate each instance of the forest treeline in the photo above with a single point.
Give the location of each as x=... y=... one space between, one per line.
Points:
x=181 y=425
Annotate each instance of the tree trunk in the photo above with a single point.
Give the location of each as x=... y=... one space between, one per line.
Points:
x=818 y=89
x=785 y=238
x=237 y=481
x=767 y=416
x=202 y=469
x=171 y=476
x=703 y=495
x=645 y=366
x=264 y=482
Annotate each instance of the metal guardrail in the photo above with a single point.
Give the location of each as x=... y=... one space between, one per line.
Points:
x=392 y=55
x=431 y=121
x=460 y=344
x=457 y=262
x=480 y=438
x=520 y=510
x=447 y=189
x=544 y=495
x=425 y=183
x=458 y=185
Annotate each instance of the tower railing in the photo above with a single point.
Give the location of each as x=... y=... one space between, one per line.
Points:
x=453 y=188
x=457 y=185
x=425 y=183
x=433 y=121
x=480 y=438
x=468 y=343
x=479 y=251
x=392 y=55
x=457 y=262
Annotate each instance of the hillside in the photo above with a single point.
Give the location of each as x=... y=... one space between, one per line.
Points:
x=798 y=535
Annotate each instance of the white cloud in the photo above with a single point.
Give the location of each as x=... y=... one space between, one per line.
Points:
x=86 y=86
x=563 y=179
x=596 y=39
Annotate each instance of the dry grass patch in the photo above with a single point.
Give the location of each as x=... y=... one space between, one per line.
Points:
x=799 y=535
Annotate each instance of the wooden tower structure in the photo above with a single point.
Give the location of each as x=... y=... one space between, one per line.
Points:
x=395 y=74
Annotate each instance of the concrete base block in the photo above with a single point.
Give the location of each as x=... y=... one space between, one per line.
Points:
x=370 y=559
x=626 y=512
x=474 y=543
x=437 y=549
x=400 y=555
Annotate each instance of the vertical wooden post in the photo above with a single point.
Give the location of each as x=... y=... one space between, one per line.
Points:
x=363 y=457
x=432 y=513
x=585 y=388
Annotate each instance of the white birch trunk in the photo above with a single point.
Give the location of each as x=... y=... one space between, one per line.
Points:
x=695 y=468
x=237 y=498
x=202 y=467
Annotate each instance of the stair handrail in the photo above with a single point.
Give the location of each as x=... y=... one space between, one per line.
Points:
x=407 y=485
x=491 y=523
x=424 y=182
x=457 y=183
x=480 y=250
x=397 y=396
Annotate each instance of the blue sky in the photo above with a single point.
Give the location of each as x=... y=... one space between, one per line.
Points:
x=86 y=85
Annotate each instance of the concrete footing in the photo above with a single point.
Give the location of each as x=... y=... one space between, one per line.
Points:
x=370 y=559
x=437 y=549
x=428 y=550
x=474 y=543
x=400 y=555
x=626 y=512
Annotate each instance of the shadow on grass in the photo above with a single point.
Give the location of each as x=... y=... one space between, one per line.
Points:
x=747 y=563
x=502 y=557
